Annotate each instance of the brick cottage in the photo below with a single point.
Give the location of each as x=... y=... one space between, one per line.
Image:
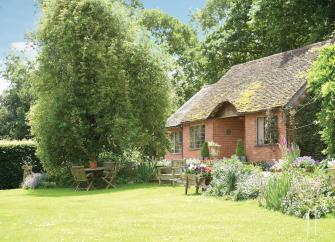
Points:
x=248 y=103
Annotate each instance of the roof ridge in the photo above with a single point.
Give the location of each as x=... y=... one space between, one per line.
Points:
x=309 y=46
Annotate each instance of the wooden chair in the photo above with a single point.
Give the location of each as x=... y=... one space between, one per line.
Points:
x=110 y=172
x=171 y=173
x=84 y=181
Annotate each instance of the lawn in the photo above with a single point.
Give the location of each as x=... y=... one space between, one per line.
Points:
x=145 y=213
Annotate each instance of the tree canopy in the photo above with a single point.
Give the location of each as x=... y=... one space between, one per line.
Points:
x=16 y=100
x=102 y=84
x=181 y=42
x=321 y=83
x=242 y=30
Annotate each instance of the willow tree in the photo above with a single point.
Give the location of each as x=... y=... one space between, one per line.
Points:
x=101 y=84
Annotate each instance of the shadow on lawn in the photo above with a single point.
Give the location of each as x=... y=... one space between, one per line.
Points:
x=69 y=192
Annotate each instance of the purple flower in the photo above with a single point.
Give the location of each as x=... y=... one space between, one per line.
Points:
x=304 y=162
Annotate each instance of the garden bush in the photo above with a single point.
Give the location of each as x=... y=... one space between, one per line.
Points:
x=233 y=179
x=248 y=186
x=274 y=191
x=146 y=171
x=309 y=196
x=12 y=156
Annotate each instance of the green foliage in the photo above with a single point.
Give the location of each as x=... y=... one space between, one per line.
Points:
x=15 y=101
x=146 y=171
x=239 y=148
x=180 y=41
x=289 y=153
x=101 y=84
x=321 y=83
x=204 y=150
x=233 y=179
x=12 y=156
x=274 y=192
x=307 y=132
x=309 y=196
x=238 y=30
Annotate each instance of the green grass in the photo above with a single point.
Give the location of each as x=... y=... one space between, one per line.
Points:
x=145 y=213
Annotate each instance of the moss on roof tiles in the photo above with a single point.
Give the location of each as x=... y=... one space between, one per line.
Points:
x=253 y=86
x=245 y=101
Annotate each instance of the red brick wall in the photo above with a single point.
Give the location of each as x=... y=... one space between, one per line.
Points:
x=228 y=141
x=241 y=128
x=265 y=152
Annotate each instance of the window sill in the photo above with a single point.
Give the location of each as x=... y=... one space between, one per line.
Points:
x=195 y=149
x=266 y=145
x=176 y=153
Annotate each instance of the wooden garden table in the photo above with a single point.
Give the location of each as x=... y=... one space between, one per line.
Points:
x=97 y=174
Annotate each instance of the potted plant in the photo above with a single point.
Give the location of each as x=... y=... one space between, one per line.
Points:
x=204 y=151
x=93 y=164
x=240 y=150
x=197 y=175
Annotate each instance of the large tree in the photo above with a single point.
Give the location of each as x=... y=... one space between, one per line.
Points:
x=182 y=42
x=241 y=30
x=321 y=83
x=102 y=84
x=15 y=101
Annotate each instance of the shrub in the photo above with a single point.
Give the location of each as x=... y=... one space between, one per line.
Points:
x=275 y=190
x=305 y=162
x=12 y=156
x=204 y=150
x=146 y=171
x=225 y=176
x=236 y=180
x=249 y=186
x=34 y=180
x=239 y=148
x=309 y=196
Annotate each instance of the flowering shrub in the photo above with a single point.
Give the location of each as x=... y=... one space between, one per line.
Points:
x=34 y=180
x=305 y=162
x=278 y=166
x=309 y=196
x=248 y=186
x=233 y=179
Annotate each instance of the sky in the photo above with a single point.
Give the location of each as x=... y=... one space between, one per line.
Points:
x=18 y=17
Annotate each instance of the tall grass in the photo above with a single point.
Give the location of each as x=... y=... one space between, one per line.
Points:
x=275 y=191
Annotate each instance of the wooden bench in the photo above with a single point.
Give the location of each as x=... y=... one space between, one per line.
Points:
x=171 y=173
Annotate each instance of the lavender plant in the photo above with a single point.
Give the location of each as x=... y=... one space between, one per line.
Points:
x=34 y=180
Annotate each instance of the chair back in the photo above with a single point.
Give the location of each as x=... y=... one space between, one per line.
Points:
x=110 y=166
x=178 y=163
x=79 y=173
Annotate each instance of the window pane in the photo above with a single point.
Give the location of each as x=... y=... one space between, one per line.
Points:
x=260 y=130
x=197 y=136
x=176 y=139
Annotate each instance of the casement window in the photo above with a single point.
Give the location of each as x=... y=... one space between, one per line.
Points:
x=176 y=139
x=267 y=130
x=197 y=136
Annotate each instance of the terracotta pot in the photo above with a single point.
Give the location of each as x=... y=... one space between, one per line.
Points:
x=93 y=164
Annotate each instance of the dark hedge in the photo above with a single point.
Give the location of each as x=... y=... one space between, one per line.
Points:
x=12 y=155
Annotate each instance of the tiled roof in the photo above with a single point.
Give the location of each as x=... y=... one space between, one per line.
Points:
x=253 y=86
